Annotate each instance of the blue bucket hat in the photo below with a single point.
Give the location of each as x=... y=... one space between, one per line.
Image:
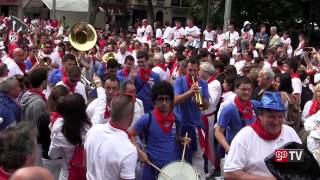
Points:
x=270 y=100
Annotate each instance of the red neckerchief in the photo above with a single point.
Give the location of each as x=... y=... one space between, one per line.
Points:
x=165 y=122
x=175 y=65
x=22 y=67
x=3 y=174
x=63 y=72
x=36 y=91
x=125 y=72
x=271 y=63
x=33 y=60
x=117 y=127
x=61 y=53
x=294 y=75
x=262 y=133
x=71 y=86
x=245 y=108
x=189 y=81
x=107 y=113
x=162 y=66
x=144 y=74
x=212 y=78
x=315 y=107
x=54 y=116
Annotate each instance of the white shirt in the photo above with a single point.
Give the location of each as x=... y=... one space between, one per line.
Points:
x=158 y=33
x=239 y=65
x=248 y=150
x=215 y=91
x=247 y=35
x=109 y=153
x=231 y=38
x=228 y=98
x=178 y=33
x=305 y=112
x=191 y=32
x=164 y=75
x=60 y=147
x=266 y=64
x=209 y=36
x=167 y=34
x=80 y=88
x=145 y=31
x=121 y=57
x=54 y=56
x=13 y=68
x=167 y=56
x=296 y=85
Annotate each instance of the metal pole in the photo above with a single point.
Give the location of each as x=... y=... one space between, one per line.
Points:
x=227 y=14
x=53 y=8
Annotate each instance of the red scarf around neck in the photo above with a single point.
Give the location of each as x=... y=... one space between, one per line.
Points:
x=118 y=127
x=212 y=78
x=294 y=75
x=315 y=107
x=165 y=122
x=54 y=116
x=22 y=67
x=245 y=108
x=63 y=72
x=125 y=72
x=71 y=86
x=270 y=62
x=107 y=113
x=257 y=127
x=36 y=91
x=144 y=74
x=189 y=81
x=33 y=60
x=162 y=66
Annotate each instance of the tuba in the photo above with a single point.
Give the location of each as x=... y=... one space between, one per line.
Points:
x=107 y=56
x=197 y=96
x=83 y=37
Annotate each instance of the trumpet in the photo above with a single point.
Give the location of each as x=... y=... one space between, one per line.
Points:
x=197 y=96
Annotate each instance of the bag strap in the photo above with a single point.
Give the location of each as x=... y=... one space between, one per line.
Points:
x=148 y=128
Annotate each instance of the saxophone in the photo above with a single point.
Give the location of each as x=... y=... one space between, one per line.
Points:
x=197 y=96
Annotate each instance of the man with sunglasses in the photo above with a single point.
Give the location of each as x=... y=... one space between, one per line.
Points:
x=160 y=131
x=47 y=51
x=72 y=81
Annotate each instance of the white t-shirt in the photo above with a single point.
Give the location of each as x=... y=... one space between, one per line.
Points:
x=109 y=154
x=215 y=90
x=167 y=34
x=178 y=33
x=231 y=38
x=158 y=33
x=248 y=151
x=296 y=85
x=247 y=35
x=266 y=64
x=121 y=57
x=80 y=88
x=164 y=75
x=193 y=31
x=13 y=68
x=209 y=36
x=239 y=65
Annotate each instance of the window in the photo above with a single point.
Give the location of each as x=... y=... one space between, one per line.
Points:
x=175 y=2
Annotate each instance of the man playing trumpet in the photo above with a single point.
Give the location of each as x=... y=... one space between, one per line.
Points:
x=191 y=97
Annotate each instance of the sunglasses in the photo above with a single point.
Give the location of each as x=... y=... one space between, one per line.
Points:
x=162 y=99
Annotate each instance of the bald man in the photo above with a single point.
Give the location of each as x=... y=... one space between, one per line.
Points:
x=17 y=66
x=32 y=173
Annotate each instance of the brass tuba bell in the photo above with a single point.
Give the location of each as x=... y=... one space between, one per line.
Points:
x=83 y=36
x=107 y=56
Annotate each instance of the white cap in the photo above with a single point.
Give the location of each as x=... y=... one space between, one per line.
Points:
x=246 y=23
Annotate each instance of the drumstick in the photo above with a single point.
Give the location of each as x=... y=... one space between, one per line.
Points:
x=154 y=166
x=184 y=148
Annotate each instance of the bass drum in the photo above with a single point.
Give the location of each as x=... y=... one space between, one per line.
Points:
x=179 y=171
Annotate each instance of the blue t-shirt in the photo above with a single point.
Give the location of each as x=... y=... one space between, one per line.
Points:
x=121 y=77
x=28 y=63
x=144 y=90
x=188 y=111
x=55 y=76
x=162 y=148
x=232 y=122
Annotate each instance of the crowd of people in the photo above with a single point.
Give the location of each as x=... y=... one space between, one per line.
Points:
x=128 y=103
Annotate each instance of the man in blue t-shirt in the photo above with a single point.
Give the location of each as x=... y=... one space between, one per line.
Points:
x=124 y=73
x=144 y=80
x=160 y=131
x=235 y=115
x=189 y=112
x=56 y=75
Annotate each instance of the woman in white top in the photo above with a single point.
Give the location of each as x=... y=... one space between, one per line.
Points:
x=286 y=41
x=312 y=106
x=69 y=130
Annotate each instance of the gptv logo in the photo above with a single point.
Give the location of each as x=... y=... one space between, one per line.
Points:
x=289 y=155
